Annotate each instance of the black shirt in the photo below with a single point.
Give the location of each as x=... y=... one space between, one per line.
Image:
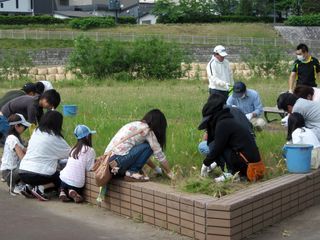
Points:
x=306 y=71
x=228 y=133
x=26 y=105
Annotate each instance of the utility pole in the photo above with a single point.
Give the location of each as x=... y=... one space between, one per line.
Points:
x=274 y=12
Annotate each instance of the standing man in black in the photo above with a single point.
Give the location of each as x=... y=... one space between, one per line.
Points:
x=305 y=70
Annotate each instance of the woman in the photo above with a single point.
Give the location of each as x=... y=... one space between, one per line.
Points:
x=46 y=147
x=135 y=142
x=307 y=92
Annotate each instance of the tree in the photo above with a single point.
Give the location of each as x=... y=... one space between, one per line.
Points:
x=245 y=8
x=225 y=7
x=311 y=6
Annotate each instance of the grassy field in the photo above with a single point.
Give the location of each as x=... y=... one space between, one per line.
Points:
x=108 y=106
x=256 y=30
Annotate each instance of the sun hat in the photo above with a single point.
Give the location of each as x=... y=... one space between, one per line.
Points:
x=221 y=50
x=82 y=131
x=239 y=88
x=23 y=121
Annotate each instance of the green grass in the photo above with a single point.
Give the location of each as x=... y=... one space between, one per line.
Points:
x=109 y=105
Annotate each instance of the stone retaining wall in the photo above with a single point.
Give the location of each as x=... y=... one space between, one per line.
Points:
x=202 y=217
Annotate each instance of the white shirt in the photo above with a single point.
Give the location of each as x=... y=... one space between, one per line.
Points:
x=74 y=173
x=305 y=136
x=10 y=158
x=43 y=153
x=146 y=136
x=47 y=85
x=316 y=95
x=219 y=74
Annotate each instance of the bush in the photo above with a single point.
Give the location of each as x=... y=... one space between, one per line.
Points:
x=14 y=64
x=24 y=20
x=127 y=20
x=152 y=58
x=265 y=61
x=306 y=20
x=91 y=22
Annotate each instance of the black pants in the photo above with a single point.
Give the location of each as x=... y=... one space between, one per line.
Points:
x=67 y=187
x=225 y=94
x=6 y=175
x=36 y=179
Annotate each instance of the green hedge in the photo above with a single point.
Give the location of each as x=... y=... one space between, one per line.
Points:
x=25 y=20
x=127 y=20
x=92 y=22
x=200 y=18
x=306 y=20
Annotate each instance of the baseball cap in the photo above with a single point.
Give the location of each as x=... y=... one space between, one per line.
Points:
x=221 y=50
x=23 y=121
x=29 y=87
x=239 y=88
x=82 y=131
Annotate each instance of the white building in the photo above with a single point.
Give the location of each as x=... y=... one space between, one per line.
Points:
x=16 y=6
x=148 y=19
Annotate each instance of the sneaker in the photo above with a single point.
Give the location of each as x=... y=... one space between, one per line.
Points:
x=2 y=179
x=63 y=197
x=26 y=191
x=18 y=188
x=223 y=177
x=77 y=198
x=38 y=192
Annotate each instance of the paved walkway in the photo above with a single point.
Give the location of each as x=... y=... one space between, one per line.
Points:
x=29 y=219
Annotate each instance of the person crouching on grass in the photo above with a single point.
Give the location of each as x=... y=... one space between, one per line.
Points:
x=38 y=168
x=81 y=159
x=135 y=142
x=13 y=152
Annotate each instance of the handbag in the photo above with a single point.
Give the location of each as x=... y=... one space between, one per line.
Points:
x=102 y=165
x=255 y=171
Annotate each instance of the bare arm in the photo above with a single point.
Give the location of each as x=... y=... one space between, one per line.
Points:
x=19 y=151
x=292 y=79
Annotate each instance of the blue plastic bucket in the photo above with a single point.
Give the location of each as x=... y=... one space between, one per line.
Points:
x=298 y=157
x=70 y=110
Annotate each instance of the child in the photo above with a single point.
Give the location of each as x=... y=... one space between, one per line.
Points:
x=81 y=159
x=14 y=151
x=299 y=134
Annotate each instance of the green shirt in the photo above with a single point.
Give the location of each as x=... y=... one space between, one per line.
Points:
x=306 y=71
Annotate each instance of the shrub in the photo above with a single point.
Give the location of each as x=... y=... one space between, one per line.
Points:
x=306 y=20
x=265 y=61
x=127 y=20
x=24 y=20
x=91 y=22
x=14 y=64
x=152 y=58
x=155 y=58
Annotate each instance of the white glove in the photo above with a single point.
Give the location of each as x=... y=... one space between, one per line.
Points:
x=212 y=166
x=204 y=171
x=249 y=116
x=158 y=170
x=171 y=175
x=228 y=86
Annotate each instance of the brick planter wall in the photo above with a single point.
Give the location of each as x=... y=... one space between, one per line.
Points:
x=203 y=217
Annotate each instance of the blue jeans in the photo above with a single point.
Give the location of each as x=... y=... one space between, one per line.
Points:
x=135 y=159
x=203 y=148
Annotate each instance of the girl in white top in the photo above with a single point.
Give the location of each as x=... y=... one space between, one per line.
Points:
x=299 y=134
x=81 y=159
x=135 y=142
x=13 y=151
x=46 y=147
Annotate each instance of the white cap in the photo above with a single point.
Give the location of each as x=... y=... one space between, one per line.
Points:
x=23 y=121
x=221 y=50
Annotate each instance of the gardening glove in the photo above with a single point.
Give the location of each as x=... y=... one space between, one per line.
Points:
x=158 y=170
x=249 y=116
x=171 y=175
x=212 y=166
x=204 y=171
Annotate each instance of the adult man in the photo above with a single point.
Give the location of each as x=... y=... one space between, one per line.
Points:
x=305 y=69
x=308 y=109
x=248 y=101
x=219 y=72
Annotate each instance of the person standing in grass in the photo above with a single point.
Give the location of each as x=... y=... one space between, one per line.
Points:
x=13 y=152
x=134 y=144
x=38 y=168
x=81 y=159
x=229 y=141
x=305 y=69
x=219 y=72
x=249 y=102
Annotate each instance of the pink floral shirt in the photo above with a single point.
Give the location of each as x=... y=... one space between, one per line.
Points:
x=145 y=136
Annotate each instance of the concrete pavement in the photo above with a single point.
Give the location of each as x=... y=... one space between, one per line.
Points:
x=29 y=219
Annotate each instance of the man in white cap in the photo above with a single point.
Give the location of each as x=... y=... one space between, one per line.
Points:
x=219 y=72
